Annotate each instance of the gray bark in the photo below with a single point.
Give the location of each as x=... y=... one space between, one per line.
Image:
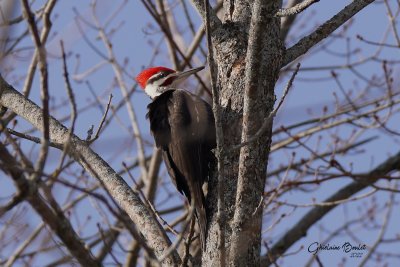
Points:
x=255 y=27
x=263 y=61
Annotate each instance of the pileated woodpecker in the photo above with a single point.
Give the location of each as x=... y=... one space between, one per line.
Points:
x=183 y=128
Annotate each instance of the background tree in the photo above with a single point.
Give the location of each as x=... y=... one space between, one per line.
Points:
x=63 y=203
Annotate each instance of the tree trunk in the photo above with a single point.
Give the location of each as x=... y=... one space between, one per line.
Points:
x=247 y=45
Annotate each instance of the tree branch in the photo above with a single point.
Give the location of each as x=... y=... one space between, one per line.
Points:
x=215 y=22
x=324 y=30
x=300 y=7
x=287 y=22
x=129 y=201
x=44 y=86
x=300 y=229
x=56 y=221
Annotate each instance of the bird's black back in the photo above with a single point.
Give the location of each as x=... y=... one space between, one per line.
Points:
x=173 y=119
x=183 y=127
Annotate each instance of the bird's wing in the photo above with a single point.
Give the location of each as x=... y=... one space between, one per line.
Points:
x=158 y=114
x=189 y=128
x=185 y=165
x=188 y=151
x=183 y=127
x=173 y=171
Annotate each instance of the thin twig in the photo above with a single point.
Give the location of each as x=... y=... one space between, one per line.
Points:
x=97 y=134
x=300 y=7
x=306 y=43
x=121 y=83
x=319 y=128
x=44 y=90
x=33 y=138
x=178 y=240
x=186 y=255
x=96 y=166
x=384 y=229
x=72 y=102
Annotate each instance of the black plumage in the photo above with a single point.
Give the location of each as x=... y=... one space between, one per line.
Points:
x=183 y=128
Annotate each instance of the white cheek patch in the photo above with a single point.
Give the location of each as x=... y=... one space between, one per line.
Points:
x=152 y=91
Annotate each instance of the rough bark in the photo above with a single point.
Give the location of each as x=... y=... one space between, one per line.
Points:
x=231 y=40
x=263 y=61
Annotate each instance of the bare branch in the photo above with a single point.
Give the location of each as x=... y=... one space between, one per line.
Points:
x=319 y=128
x=72 y=101
x=94 y=164
x=122 y=85
x=44 y=90
x=56 y=221
x=300 y=229
x=214 y=21
x=33 y=138
x=287 y=22
x=97 y=134
x=383 y=230
x=324 y=30
x=186 y=253
x=300 y=7
x=17 y=198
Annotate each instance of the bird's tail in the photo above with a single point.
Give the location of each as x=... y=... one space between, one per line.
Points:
x=200 y=212
x=202 y=222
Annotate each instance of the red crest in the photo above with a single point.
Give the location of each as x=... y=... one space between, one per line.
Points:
x=147 y=73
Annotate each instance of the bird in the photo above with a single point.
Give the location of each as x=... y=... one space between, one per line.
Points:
x=183 y=127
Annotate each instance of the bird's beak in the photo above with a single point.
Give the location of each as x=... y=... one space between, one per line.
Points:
x=184 y=74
